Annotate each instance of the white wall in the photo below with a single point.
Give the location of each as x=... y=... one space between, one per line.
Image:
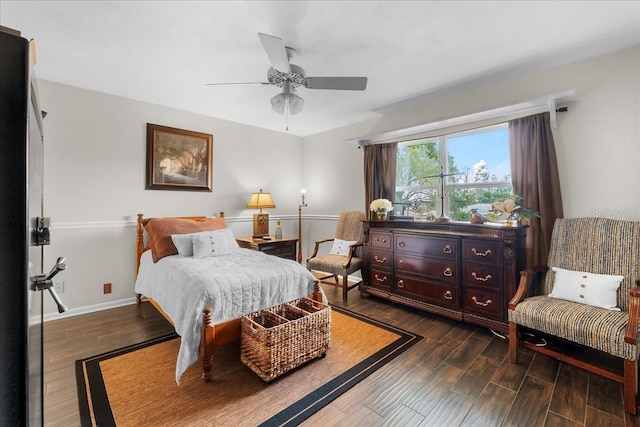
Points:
x=96 y=161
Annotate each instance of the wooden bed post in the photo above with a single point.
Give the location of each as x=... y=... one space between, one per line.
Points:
x=208 y=336
x=139 y=249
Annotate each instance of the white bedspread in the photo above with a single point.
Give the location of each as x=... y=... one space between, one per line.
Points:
x=233 y=285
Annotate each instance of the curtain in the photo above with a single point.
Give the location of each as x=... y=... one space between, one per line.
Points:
x=379 y=173
x=534 y=172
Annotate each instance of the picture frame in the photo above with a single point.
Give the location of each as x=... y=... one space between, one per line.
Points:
x=178 y=159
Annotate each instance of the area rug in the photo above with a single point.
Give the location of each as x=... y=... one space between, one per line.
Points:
x=135 y=386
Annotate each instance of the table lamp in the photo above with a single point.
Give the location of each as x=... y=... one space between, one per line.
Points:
x=261 y=220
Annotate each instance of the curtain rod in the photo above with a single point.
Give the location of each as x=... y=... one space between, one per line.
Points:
x=543 y=103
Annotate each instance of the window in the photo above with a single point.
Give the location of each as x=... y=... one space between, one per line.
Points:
x=476 y=170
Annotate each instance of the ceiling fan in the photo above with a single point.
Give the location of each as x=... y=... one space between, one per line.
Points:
x=290 y=77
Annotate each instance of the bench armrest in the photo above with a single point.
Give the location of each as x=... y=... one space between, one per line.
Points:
x=526 y=278
x=631 y=336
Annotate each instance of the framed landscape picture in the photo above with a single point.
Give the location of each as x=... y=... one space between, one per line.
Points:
x=178 y=159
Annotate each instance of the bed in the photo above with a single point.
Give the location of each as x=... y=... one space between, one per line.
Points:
x=205 y=293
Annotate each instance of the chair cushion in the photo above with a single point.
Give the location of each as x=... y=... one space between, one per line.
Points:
x=333 y=264
x=583 y=324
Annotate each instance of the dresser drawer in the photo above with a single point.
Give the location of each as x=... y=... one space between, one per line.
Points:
x=441 y=247
x=381 y=279
x=381 y=259
x=482 y=251
x=445 y=296
x=484 y=276
x=380 y=240
x=438 y=269
x=282 y=250
x=484 y=303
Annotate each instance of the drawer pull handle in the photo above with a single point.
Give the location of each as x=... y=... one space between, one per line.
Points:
x=481 y=279
x=400 y=284
x=380 y=279
x=378 y=260
x=401 y=244
x=485 y=253
x=379 y=240
x=447 y=295
x=447 y=272
x=447 y=249
x=484 y=304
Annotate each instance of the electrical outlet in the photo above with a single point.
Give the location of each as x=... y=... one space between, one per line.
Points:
x=106 y=288
x=58 y=287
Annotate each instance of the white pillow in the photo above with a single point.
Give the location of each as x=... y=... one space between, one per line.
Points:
x=599 y=290
x=184 y=242
x=209 y=244
x=341 y=247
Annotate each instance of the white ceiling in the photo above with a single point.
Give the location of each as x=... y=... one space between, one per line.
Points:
x=164 y=52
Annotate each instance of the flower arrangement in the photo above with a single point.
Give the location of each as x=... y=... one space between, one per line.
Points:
x=510 y=208
x=381 y=205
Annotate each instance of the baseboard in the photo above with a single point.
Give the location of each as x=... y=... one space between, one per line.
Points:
x=83 y=310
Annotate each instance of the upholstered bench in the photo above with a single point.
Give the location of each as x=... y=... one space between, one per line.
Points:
x=596 y=302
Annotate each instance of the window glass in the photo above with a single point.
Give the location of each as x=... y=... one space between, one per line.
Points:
x=466 y=170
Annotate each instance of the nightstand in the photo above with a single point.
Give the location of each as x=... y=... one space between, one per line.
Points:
x=283 y=248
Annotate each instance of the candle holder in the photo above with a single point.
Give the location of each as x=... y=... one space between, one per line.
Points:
x=300 y=206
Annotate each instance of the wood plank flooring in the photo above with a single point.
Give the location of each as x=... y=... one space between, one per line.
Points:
x=458 y=375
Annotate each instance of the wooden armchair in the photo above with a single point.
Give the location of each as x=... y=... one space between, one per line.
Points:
x=349 y=260
x=594 y=245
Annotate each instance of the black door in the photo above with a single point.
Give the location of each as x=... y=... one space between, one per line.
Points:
x=23 y=234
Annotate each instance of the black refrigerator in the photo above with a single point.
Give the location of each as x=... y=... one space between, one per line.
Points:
x=24 y=234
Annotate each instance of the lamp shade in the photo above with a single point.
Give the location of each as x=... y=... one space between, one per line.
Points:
x=261 y=201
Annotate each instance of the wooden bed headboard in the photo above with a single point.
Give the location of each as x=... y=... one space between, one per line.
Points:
x=140 y=246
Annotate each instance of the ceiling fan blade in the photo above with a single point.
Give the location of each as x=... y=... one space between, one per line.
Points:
x=336 y=83
x=276 y=52
x=238 y=83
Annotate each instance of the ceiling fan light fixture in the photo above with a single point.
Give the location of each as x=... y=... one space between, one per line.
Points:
x=295 y=103
x=278 y=102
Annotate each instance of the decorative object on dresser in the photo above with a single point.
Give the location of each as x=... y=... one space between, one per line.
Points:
x=345 y=256
x=261 y=220
x=178 y=159
x=443 y=217
x=381 y=207
x=589 y=295
x=462 y=271
x=284 y=247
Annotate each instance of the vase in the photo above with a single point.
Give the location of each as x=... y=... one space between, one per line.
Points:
x=511 y=222
x=382 y=215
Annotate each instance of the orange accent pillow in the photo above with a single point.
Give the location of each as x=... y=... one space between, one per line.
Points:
x=159 y=231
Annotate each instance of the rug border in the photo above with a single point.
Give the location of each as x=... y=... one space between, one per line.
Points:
x=104 y=415
x=294 y=414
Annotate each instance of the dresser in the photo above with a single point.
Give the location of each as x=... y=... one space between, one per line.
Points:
x=283 y=248
x=462 y=271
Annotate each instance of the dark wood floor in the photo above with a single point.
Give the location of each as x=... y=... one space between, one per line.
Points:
x=459 y=375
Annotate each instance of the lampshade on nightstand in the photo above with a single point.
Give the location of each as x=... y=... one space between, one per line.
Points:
x=261 y=220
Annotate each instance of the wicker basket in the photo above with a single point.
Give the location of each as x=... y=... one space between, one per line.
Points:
x=283 y=337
